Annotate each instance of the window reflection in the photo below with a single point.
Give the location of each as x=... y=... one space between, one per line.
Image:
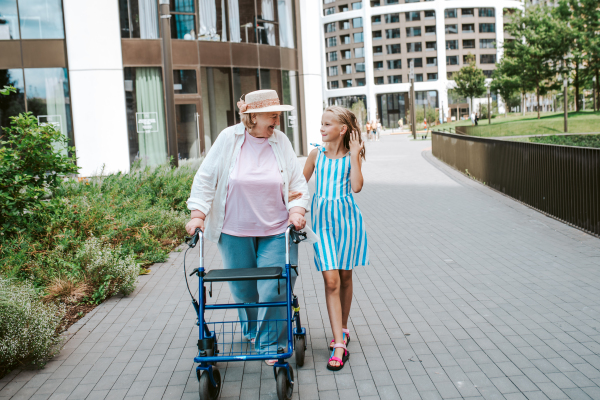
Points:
x=145 y=115
x=245 y=80
x=48 y=97
x=9 y=25
x=14 y=103
x=285 y=14
x=41 y=19
x=241 y=20
x=183 y=20
x=290 y=120
x=184 y=81
x=266 y=31
x=217 y=112
x=213 y=23
x=139 y=19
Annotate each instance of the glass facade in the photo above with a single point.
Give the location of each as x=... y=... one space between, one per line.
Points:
x=41 y=19
x=14 y=103
x=9 y=20
x=217 y=102
x=139 y=19
x=392 y=107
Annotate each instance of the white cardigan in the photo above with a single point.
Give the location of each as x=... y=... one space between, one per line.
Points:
x=209 y=190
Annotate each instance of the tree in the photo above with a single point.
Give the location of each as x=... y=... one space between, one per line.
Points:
x=470 y=81
x=541 y=41
x=360 y=111
x=505 y=82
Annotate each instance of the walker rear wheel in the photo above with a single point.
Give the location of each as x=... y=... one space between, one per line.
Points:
x=300 y=349
x=285 y=388
x=206 y=389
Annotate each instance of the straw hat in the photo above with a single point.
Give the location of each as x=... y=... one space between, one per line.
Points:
x=262 y=101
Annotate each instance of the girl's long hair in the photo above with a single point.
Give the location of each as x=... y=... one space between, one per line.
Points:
x=347 y=117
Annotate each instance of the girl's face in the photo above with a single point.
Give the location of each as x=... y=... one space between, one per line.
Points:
x=331 y=128
x=266 y=123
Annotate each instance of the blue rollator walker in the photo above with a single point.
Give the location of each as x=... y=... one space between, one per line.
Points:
x=223 y=333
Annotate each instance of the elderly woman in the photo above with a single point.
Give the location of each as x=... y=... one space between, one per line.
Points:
x=240 y=201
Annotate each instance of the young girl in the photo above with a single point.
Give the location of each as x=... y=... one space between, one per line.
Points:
x=336 y=219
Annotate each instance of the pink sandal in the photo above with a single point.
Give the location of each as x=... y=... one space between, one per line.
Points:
x=345 y=337
x=344 y=359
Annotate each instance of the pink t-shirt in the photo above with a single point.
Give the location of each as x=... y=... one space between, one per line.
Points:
x=255 y=205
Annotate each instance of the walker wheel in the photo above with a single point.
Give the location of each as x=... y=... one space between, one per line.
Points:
x=300 y=349
x=206 y=389
x=285 y=388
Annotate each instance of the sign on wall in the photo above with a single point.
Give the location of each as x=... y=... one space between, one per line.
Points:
x=147 y=122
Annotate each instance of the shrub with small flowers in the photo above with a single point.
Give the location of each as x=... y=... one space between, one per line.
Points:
x=27 y=325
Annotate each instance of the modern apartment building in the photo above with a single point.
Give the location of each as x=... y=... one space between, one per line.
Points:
x=368 y=47
x=96 y=70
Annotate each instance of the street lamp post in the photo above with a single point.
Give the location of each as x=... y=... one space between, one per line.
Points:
x=565 y=86
x=413 y=115
x=594 y=91
x=489 y=109
x=165 y=27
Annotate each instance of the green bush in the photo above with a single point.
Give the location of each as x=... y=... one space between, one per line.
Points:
x=33 y=162
x=27 y=326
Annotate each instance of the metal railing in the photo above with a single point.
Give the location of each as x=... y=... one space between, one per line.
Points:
x=559 y=181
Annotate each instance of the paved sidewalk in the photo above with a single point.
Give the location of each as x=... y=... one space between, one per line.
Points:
x=470 y=295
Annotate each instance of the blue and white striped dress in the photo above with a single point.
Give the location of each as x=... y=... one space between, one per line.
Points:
x=336 y=218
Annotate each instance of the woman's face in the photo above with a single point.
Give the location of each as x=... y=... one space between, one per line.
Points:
x=266 y=123
x=331 y=128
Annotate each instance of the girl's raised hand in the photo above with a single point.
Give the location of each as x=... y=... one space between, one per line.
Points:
x=355 y=144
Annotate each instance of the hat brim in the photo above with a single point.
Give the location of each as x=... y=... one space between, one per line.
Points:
x=281 y=107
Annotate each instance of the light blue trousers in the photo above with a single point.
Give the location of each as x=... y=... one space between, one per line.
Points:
x=259 y=252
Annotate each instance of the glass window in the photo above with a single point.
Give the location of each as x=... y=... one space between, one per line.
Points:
x=394 y=64
x=332 y=71
x=431 y=61
x=343 y=8
x=468 y=28
x=266 y=31
x=241 y=21
x=328 y=1
x=357 y=22
x=347 y=82
x=487 y=12
x=360 y=82
x=347 y=69
x=418 y=62
x=469 y=44
x=330 y=10
x=413 y=31
x=379 y=80
x=139 y=19
x=358 y=37
x=331 y=42
x=451 y=29
x=145 y=115
x=185 y=81
x=345 y=39
x=376 y=19
x=357 y=5
x=359 y=52
x=392 y=18
x=393 y=48
x=330 y=27
x=359 y=67
x=217 y=109
x=414 y=47
x=430 y=46
x=487 y=59
x=391 y=107
x=346 y=54
x=9 y=25
x=270 y=79
x=488 y=28
x=451 y=44
x=245 y=80
x=432 y=76
x=488 y=73
x=14 y=103
x=418 y=77
x=344 y=25
x=413 y=16
x=332 y=56
x=395 y=79
x=377 y=35
x=377 y=50
x=41 y=19
x=429 y=14
x=450 y=13
x=333 y=85
x=487 y=43
x=287 y=23
x=430 y=30
x=392 y=33
x=183 y=21
x=377 y=65
x=467 y=12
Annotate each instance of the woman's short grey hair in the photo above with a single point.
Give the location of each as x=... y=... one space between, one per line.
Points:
x=247 y=120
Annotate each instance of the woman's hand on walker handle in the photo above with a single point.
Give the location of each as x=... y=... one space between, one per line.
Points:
x=298 y=220
x=293 y=195
x=193 y=224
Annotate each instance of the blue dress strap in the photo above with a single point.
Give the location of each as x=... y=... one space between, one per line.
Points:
x=319 y=146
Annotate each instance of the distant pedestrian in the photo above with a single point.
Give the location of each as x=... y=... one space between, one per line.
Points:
x=378 y=130
x=472 y=118
x=368 y=128
x=476 y=120
x=401 y=124
x=337 y=220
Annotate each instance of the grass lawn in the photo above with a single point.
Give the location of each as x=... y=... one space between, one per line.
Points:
x=519 y=125
x=569 y=140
